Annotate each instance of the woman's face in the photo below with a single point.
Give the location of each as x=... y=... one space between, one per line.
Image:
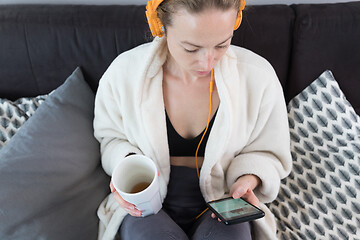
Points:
x=197 y=42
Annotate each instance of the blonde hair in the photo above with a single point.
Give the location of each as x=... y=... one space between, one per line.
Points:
x=168 y=7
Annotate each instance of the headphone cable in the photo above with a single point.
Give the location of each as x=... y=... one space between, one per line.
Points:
x=207 y=125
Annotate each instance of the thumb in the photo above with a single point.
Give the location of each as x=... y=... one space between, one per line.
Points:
x=112 y=188
x=238 y=192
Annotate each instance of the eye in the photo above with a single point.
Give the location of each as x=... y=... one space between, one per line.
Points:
x=191 y=51
x=222 y=46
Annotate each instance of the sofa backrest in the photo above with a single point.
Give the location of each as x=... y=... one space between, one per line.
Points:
x=326 y=36
x=40 y=45
x=267 y=30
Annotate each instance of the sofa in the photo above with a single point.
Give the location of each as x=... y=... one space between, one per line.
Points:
x=51 y=60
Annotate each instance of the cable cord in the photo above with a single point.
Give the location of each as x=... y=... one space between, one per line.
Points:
x=207 y=125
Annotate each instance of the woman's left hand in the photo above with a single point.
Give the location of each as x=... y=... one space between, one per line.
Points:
x=244 y=187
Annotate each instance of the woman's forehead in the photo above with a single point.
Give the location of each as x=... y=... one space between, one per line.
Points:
x=212 y=26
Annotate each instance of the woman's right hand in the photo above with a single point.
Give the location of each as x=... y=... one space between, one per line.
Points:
x=129 y=207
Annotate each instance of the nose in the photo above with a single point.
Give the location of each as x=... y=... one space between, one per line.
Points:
x=207 y=60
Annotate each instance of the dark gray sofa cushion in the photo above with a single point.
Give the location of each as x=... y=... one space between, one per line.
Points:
x=326 y=36
x=51 y=182
x=41 y=44
x=267 y=30
x=51 y=40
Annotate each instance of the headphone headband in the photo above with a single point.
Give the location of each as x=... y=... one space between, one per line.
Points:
x=155 y=3
x=157 y=28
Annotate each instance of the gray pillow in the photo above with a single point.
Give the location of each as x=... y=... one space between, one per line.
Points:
x=51 y=181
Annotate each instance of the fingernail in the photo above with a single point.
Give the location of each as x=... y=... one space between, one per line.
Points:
x=236 y=195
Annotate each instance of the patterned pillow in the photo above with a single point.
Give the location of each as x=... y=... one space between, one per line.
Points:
x=321 y=197
x=14 y=114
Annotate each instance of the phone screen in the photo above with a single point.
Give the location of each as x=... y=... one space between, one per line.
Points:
x=232 y=210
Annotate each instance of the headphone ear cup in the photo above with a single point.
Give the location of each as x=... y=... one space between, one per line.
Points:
x=155 y=24
x=238 y=20
x=156 y=27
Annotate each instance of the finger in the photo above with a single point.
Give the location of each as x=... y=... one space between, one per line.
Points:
x=238 y=192
x=251 y=198
x=238 y=189
x=135 y=212
x=129 y=207
x=123 y=203
x=213 y=215
x=112 y=188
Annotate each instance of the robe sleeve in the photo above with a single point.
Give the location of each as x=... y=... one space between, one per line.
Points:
x=109 y=127
x=267 y=153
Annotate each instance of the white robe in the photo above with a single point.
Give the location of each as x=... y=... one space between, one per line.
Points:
x=250 y=134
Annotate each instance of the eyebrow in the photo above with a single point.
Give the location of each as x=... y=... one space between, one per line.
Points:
x=194 y=45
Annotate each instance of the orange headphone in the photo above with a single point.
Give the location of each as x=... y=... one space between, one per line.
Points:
x=156 y=27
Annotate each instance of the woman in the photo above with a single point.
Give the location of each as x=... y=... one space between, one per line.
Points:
x=154 y=100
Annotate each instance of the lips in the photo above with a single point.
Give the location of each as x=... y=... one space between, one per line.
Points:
x=203 y=73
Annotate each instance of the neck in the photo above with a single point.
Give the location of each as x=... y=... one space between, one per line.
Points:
x=172 y=67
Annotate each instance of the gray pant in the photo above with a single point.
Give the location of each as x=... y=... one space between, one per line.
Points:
x=162 y=227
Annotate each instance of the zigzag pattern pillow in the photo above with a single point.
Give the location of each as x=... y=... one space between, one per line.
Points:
x=14 y=114
x=320 y=199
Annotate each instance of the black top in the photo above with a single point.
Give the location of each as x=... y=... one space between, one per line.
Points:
x=180 y=147
x=184 y=200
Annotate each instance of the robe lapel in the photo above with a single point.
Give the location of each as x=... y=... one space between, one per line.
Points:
x=152 y=114
x=226 y=74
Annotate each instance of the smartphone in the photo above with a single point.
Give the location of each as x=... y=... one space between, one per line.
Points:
x=232 y=211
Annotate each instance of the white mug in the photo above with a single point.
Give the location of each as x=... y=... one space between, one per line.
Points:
x=135 y=178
